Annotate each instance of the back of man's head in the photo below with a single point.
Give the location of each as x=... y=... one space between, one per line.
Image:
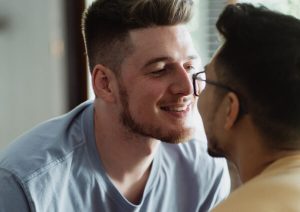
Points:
x=260 y=59
x=106 y=24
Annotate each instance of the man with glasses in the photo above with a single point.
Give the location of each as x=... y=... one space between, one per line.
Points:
x=129 y=149
x=249 y=100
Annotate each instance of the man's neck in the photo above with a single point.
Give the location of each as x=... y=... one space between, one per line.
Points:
x=251 y=165
x=254 y=157
x=127 y=158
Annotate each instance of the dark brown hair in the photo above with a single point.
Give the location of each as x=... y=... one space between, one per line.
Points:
x=106 y=24
x=260 y=59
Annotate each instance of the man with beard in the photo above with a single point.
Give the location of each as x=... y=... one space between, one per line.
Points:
x=251 y=107
x=121 y=152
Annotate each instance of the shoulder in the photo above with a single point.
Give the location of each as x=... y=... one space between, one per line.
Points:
x=44 y=145
x=11 y=192
x=275 y=192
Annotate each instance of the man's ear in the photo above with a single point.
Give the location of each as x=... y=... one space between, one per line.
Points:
x=103 y=80
x=232 y=110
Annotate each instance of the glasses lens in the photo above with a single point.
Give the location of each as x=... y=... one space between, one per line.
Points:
x=200 y=83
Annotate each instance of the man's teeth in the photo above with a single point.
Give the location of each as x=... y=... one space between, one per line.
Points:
x=175 y=109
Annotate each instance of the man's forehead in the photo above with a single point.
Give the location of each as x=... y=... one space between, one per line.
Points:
x=209 y=68
x=194 y=58
x=160 y=35
x=162 y=44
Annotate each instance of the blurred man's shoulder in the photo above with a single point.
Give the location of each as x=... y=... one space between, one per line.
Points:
x=44 y=144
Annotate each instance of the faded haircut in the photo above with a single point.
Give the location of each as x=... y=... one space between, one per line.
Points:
x=106 y=25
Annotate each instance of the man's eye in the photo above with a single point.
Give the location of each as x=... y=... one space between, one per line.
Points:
x=190 y=68
x=158 y=72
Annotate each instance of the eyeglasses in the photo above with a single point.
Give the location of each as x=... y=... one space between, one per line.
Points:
x=199 y=83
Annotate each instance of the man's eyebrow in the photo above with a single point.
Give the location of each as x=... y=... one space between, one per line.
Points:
x=193 y=57
x=160 y=59
x=156 y=60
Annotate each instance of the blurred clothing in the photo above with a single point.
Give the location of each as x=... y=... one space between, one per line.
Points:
x=56 y=167
x=277 y=188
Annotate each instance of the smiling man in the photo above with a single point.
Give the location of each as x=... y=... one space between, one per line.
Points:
x=132 y=148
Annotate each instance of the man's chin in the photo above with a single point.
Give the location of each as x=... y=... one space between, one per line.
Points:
x=179 y=136
x=215 y=153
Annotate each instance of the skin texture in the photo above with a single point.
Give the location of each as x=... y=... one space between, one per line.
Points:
x=161 y=69
x=151 y=100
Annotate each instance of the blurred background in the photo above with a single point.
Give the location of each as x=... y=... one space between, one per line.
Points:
x=43 y=71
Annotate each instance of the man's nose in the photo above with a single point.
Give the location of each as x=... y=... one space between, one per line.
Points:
x=182 y=84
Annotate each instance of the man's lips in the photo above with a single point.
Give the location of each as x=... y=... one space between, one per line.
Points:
x=179 y=110
x=176 y=108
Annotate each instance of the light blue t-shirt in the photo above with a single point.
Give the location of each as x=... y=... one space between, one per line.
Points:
x=56 y=167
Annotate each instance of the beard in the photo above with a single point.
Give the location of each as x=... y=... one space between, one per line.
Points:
x=153 y=131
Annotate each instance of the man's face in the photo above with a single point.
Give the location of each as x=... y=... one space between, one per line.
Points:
x=155 y=85
x=208 y=106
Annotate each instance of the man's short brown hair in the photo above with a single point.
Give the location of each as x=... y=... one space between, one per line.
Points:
x=106 y=24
